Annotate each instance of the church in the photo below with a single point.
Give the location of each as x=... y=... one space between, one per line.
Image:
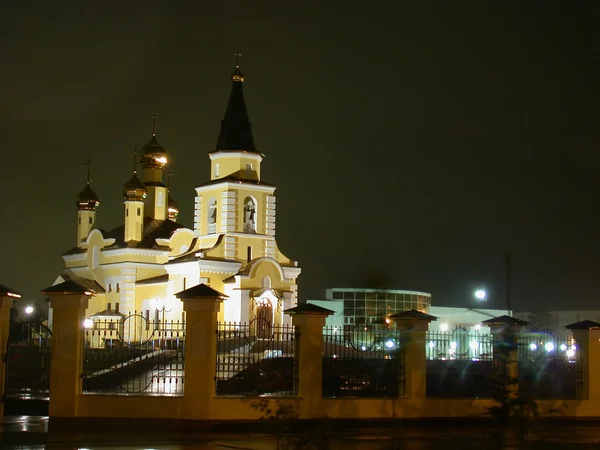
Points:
x=139 y=266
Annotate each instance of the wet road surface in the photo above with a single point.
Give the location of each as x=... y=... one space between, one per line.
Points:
x=30 y=432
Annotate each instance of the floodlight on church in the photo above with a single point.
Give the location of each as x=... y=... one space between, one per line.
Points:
x=533 y=346
x=28 y=309
x=563 y=347
x=390 y=344
x=549 y=346
x=88 y=323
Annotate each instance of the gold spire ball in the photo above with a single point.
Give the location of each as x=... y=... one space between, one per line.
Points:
x=237 y=73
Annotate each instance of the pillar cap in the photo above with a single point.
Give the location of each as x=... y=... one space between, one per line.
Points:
x=415 y=315
x=584 y=325
x=72 y=287
x=309 y=309
x=8 y=292
x=506 y=321
x=201 y=292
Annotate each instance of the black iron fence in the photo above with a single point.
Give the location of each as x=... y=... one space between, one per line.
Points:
x=28 y=361
x=256 y=358
x=367 y=361
x=134 y=355
x=460 y=364
x=549 y=367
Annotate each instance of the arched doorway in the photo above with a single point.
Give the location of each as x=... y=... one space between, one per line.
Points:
x=263 y=318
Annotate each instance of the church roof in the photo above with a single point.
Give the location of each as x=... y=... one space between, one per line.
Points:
x=236 y=130
x=108 y=313
x=157 y=279
x=4 y=290
x=87 y=198
x=200 y=291
x=153 y=229
x=78 y=286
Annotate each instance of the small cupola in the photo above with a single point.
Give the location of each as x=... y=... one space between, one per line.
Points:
x=173 y=209
x=87 y=200
x=134 y=190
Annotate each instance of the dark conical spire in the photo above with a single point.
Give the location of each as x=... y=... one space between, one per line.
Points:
x=236 y=130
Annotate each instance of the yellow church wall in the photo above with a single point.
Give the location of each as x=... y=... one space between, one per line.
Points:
x=235 y=164
x=180 y=242
x=262 y=269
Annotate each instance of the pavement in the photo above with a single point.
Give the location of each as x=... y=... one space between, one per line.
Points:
x=35 y=432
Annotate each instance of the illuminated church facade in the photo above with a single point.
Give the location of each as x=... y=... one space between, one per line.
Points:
x=139 y=266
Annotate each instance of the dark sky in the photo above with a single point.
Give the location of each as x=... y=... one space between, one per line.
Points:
x=418 y=141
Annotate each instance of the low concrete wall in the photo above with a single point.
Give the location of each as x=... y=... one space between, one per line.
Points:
x=130 y=406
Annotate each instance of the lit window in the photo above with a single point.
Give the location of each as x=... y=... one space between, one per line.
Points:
x=216 y=170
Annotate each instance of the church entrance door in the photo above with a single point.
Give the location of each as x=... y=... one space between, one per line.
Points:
x=264 y=319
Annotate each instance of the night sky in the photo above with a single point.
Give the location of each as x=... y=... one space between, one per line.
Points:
x=412 y=143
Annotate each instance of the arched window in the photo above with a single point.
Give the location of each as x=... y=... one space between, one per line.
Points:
x=266 y=282
x=249 y=215
x=212 y=215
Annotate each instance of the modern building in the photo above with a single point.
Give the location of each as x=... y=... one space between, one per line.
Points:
x=369 y=306
x=373 y=306
x=140 y=264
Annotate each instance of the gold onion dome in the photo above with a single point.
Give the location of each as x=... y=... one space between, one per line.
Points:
x=173 y=209
x=87 y=200
x=153 y=155
x=237 y=75
x=134 y=189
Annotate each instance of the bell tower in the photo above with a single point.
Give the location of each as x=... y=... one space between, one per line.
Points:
x=236 y=202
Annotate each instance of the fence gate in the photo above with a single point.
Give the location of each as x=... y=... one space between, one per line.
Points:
x=27 y=386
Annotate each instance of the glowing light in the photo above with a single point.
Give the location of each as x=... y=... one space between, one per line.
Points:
x=363 y=348
x=10 y=294
x=477 y=327
x=533 y=347
x=160 y=159
x=28 y=309
x=88 y=323
x=389 y=344
x=453 y=345
x=480 y=294
x=474 y=345
x=387 y=320
x=563 y=347
x=570 y=353
x=444 y=327
x=431 y=344
x=549 y=346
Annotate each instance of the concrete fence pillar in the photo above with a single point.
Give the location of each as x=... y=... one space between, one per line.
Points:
x=587 y=353
x=505 y=335
x=69 y=300
x=308 y=321
x=413 y=326
x=6 y=302
x=201 y=304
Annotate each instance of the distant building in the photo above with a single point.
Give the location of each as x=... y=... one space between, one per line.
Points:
x=556 y=321
x=369 y=306
x=372 y=306
x=140 y=264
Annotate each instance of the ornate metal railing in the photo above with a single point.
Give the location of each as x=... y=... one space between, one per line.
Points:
x=367 y=361
x=256 y=358
x=460 y=363
x=28 y=361
x=133 y=355
x=549 y=367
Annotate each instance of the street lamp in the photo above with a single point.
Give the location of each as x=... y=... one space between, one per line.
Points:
x=480 y=294
x=28 y=310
